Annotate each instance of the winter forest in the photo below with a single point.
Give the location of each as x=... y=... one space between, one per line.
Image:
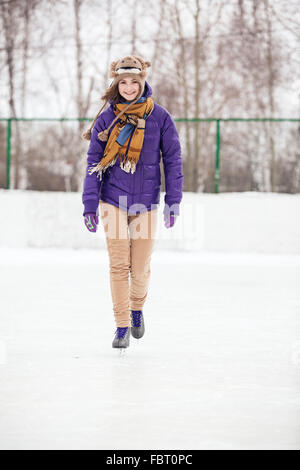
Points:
x=211 y=59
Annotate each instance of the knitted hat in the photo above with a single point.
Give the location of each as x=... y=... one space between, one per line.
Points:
x=129 y=66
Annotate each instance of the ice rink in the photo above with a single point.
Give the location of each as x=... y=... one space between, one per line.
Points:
x=218 y=367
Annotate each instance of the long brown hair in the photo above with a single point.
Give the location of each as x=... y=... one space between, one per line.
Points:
x=112 y=94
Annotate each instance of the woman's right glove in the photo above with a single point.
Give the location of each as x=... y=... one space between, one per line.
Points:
x=91 y=221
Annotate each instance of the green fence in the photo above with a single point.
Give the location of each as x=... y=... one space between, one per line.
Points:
x=217 y=139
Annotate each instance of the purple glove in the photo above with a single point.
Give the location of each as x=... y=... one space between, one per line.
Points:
x=170 y=219
x=91 y=221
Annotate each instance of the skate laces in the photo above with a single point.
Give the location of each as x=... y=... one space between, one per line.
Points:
x=121 y=332
x=136 y=318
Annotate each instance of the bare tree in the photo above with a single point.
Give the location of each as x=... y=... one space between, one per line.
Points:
x=210 y=58
x=158 y=35
x=28 y=8
x=10 y=13
x=184 y=87
x=109 y=38
x=271 y=80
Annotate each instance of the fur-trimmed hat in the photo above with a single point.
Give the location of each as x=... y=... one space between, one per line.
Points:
x=128 y=66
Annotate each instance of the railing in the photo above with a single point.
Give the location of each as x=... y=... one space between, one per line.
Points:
x=216 y=120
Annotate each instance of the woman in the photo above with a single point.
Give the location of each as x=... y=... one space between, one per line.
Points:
x=123 y=179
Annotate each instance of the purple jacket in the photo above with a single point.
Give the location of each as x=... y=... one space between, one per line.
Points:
x=140 y=190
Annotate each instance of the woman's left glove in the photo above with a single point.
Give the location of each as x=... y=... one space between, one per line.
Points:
x=170 y=219
x=91 y=221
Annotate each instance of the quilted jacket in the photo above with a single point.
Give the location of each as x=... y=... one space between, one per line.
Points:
x=139 y=191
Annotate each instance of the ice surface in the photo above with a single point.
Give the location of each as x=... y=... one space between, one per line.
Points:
x=218 y=367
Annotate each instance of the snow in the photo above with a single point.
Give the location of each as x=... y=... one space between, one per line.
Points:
x=229 y=222
x=218 y=367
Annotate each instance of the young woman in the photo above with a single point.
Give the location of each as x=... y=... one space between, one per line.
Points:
x=123 y=180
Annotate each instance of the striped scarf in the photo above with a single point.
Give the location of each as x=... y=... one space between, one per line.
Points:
x=127 y=137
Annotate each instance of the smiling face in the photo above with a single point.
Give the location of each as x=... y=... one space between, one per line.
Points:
x=129 y=88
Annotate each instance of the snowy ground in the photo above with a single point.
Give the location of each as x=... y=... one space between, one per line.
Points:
x=218 y=367
x=246 y=222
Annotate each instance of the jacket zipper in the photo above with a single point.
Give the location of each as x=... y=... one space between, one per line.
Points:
x=133 y=180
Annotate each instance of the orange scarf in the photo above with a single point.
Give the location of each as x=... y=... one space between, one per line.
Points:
x=129 y=152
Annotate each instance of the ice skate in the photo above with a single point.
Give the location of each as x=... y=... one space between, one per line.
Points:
x=122 y=336
x=137 y=324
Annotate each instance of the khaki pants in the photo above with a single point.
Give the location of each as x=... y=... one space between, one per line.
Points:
x=128 y=253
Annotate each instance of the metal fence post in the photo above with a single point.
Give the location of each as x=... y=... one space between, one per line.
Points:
x=8 y=150
x=217 y=163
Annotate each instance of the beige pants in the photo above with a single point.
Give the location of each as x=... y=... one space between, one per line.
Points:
x=128 y=253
